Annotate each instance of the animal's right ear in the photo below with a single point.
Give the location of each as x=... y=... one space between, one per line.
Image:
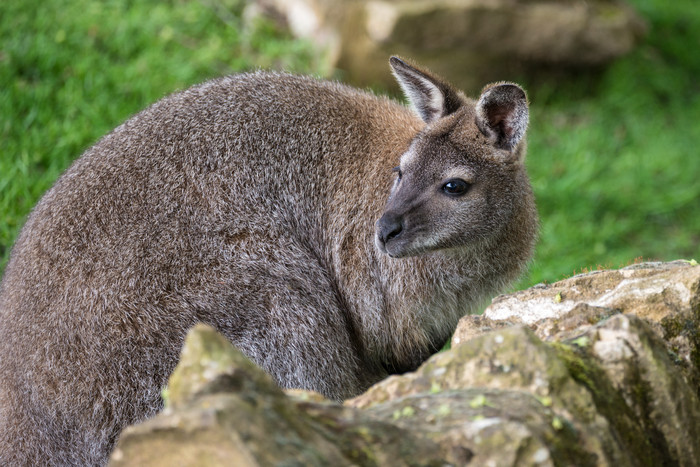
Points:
x=430 y=97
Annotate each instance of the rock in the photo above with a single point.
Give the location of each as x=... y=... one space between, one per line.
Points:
x=652 y=290
x=513 y=363
x=223 y=410
x=209 y=364
x=580 y=372
x=487 y=427
x=470 y=42
x=635 y=360
x=666 y=295
x=477 y=325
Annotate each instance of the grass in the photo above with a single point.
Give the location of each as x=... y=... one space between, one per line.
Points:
x=72 y=70
x=612 y=154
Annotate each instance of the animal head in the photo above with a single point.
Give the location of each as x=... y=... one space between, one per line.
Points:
x=462 y=177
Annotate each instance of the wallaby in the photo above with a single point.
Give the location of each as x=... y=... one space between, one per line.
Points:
x=261 y=204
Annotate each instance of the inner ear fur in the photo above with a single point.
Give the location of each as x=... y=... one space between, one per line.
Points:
x=430 y=96
x=502 y=114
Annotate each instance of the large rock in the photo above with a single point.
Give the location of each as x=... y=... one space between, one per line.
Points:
x=665 y=295
x=568 y=424
x=468 y=41
x=223 y=410
x=581 y=372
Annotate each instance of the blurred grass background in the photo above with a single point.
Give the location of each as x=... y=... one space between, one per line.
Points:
x=613 y=153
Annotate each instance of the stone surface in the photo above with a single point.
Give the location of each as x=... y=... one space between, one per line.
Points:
x=581 y=372
x=652 y=290
x=515 y=362
x=636 y=362
x=470 y=42
x=207 y=365
x=666 y=295
x=223 y=410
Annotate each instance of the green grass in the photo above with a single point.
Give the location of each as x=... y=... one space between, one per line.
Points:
x=613 y=155
x=72 y=70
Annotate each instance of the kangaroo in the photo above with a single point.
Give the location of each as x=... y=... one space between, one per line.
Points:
x=335 y=237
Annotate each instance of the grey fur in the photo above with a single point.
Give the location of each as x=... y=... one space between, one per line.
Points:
x=249 y=203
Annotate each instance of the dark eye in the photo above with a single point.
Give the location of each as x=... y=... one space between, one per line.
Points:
x=398 y=171
x=455 y=187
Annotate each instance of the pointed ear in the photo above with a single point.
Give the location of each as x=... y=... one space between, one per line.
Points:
x=430 y=97
x=502 y=114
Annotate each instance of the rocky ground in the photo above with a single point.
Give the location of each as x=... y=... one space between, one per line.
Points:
x=599 y=369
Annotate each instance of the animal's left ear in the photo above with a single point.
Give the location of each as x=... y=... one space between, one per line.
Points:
x=502 y=114
x=430 y=96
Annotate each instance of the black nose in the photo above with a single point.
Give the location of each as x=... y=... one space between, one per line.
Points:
x=389 y=226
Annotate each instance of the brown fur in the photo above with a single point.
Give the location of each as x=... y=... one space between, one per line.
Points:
x=249 y=203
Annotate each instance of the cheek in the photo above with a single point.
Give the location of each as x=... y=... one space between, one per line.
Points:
x=471 y=217
x=444 y=216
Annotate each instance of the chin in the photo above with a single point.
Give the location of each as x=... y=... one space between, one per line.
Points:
x=399 y=250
